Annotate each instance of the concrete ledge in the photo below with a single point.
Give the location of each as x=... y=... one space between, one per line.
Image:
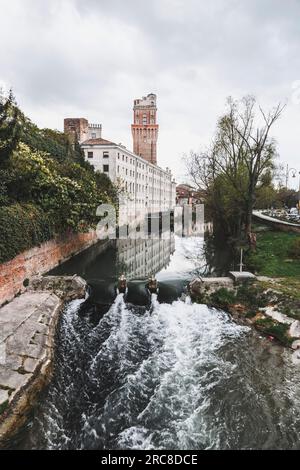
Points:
x=27 y=339
x=240 y=277
x=66 y=287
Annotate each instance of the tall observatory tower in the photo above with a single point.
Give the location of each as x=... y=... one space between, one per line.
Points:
x=145 y=130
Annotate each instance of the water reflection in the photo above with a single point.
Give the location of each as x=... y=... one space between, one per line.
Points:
x=140 y=258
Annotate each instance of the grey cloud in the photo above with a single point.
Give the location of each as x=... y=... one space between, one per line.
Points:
x=93 y=57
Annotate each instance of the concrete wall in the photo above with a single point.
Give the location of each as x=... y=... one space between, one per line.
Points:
x=39 y=260
x=277 y=224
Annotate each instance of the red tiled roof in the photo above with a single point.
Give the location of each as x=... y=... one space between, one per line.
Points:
x=97 y=142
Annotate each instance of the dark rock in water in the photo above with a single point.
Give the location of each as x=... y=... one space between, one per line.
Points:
x=168 y=291
x=102 y=292
x=138 y=293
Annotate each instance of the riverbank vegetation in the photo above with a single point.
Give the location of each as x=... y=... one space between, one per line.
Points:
x=46 y=186
x=262 y=304
x=277 y=254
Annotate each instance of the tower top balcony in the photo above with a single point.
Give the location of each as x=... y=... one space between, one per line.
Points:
x=149 y=100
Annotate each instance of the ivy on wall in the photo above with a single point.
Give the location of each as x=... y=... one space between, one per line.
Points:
x=46 y=186
x=22 y=227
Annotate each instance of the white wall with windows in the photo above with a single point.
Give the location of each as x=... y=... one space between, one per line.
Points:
x=144 y=184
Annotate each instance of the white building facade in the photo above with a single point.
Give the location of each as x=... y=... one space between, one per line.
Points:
x=143 y=184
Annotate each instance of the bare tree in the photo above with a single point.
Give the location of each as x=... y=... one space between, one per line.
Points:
x=242 y=152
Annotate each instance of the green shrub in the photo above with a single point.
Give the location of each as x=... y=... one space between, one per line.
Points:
x=223 y=297
x=294 y=250
x=252 y=296
x=46 y=186
x=22 y=227
x=256 y=261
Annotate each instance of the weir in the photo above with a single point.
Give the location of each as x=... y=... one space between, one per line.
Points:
x=136 y=291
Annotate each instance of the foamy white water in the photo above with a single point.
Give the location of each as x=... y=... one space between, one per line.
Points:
x=173 y=376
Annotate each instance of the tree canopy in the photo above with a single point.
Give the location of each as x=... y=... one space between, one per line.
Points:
x=45 y=183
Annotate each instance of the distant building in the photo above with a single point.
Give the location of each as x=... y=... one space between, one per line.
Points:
x=80 y=129
x=187 y=194
x=144 y=128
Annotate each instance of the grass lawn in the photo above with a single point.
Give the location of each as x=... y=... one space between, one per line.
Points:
x=272 y=257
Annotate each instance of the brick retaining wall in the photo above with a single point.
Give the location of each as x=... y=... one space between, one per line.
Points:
x=39 y=260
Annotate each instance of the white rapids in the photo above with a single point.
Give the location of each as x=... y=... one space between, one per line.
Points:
x=174 y=376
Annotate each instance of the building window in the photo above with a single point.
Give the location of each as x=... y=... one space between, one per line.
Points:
x=90 y=154
x=123 y=158
x=118 y=169
x=105 y=154
x=106 y=168
x=118 y=156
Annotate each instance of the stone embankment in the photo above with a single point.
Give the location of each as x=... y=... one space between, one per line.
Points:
x=277 y=224
x=27 y=332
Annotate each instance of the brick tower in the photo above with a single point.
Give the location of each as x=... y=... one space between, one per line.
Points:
x=76 y=128
x=145 y=130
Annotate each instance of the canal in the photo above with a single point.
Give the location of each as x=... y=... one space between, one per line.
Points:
x=170 y=375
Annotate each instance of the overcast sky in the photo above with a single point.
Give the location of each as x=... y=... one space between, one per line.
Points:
x=91 y=58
